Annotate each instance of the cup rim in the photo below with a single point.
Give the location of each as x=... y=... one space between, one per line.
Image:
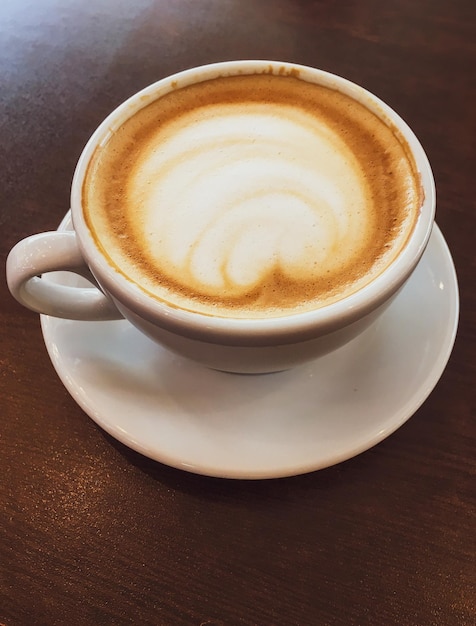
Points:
x=293 y=327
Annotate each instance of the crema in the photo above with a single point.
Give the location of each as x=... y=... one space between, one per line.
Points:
x=252 y=196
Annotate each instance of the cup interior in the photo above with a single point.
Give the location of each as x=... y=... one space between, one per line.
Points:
x=294 y=326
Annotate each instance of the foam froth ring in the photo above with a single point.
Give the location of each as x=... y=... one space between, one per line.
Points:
x=252 y=196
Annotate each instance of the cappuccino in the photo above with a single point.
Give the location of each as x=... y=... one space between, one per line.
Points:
x=252 y=196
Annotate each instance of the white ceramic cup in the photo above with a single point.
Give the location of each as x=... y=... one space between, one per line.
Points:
x=234 y=345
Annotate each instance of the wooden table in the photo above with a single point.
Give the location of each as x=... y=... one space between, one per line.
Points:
x=95 y=533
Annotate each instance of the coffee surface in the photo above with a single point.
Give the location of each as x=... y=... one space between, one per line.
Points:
x=252 y=196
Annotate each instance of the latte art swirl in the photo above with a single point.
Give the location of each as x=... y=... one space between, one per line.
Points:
x=248 y=203
x=251 y=196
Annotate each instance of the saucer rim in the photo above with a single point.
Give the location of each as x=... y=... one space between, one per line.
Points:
x=162 y=456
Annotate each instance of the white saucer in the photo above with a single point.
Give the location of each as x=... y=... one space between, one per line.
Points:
x=226 y=425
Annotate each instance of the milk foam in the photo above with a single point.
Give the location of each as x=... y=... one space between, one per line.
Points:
x=249 y=200
x=250 y=206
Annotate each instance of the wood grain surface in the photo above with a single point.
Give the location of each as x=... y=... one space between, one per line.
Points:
x=94 y=533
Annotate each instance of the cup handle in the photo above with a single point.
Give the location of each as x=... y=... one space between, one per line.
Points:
x=52 y=252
